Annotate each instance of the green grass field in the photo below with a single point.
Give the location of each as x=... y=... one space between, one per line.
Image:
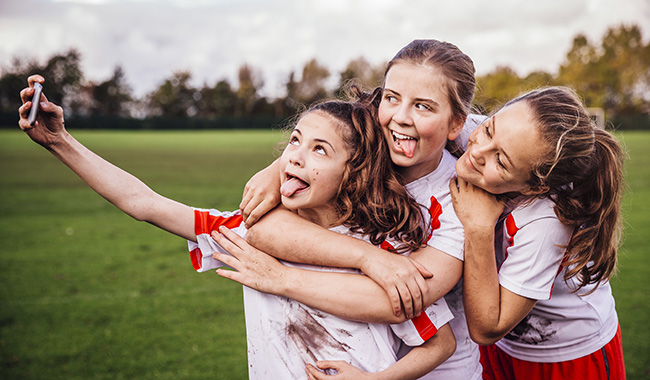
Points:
x=88 y=293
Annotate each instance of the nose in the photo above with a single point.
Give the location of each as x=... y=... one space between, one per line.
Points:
x=296 y=157
x=403 y=115
x=479 y=148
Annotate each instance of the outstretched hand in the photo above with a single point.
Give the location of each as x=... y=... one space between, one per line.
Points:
x=49 y=124
x=252 y=267
x=475 y=207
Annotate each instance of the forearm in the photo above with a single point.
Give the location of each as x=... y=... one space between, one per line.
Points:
x=287 y=236
x=346 y=295
x=276 y=235
x=122 y=189
x=422 y=359
x=481 y=289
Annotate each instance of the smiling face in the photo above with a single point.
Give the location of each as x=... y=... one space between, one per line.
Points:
x=501 y=152
x=416 y=116
x=313 y=164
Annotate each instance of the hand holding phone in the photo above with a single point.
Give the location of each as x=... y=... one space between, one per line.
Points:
x=36 y=100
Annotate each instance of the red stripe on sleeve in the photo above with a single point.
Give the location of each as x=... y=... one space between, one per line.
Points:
x=424 y=326
x=204 y=223
x=197 y=258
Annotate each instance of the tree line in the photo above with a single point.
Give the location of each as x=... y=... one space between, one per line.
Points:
x=612 y=74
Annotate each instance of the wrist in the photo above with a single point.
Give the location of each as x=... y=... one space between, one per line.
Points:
x=60 y=142
x=479 y=229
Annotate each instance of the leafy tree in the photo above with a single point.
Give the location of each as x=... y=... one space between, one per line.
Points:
x=219 y=100
x=174 y=98
x=497 y=87
x=63 y=78
x=614 y=75
x=363 y=73
x=110 y=97
x=625 y=63
x=250 y=81
x=12 y=80
x=311 y=86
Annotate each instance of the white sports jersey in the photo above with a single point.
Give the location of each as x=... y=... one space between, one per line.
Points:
x=562 y=325
x=432 y=191
x=284 y=335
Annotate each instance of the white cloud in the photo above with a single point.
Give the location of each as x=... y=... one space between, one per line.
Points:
x=151 y=39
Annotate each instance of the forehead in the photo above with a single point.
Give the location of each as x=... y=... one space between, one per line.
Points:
x=418 y=80
x=320 y=125
x=515 y=128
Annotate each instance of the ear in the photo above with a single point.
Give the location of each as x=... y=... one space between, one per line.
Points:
x=454 y=129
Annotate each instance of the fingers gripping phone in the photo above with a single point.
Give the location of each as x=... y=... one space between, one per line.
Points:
x=36 y=100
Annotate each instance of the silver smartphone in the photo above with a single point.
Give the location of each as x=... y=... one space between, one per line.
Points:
x=36 y=100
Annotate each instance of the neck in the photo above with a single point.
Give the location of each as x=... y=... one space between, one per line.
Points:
x=419 y=170
x=324 y=216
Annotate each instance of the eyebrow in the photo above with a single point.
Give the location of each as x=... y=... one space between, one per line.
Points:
x=417 y=100
x=428 y=100
x=494 y=129
x=321 y=141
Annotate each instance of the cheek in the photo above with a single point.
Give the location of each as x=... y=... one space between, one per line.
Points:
x=384 y=115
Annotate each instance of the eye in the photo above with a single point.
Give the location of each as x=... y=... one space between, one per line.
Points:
x=499 y=161
x=320 y=150
x=422 y=107
x=487 y=130
x=294 y=141
x=390 y=98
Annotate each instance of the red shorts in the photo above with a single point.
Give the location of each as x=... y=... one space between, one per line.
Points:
x=606 y=363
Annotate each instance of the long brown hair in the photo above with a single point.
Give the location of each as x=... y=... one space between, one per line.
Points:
x=583 y=175
x=456 y=67
x=371 y=199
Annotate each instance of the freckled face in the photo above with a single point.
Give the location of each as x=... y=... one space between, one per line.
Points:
x=502 y=151
x=416 y=116
x=313 y=164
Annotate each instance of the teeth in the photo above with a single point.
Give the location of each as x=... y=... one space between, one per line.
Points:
x=401 y=136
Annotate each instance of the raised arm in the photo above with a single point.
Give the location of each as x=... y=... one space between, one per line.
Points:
x=120 y=188
x=491 y=310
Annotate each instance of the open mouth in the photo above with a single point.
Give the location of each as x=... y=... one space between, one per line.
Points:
x=292 y=185
x=404 y=143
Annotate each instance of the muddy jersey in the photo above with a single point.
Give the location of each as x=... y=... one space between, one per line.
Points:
x=283 y=335
x=432 y=191
x=562 y=325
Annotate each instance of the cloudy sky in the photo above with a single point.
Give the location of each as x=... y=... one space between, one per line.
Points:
x=212 y=38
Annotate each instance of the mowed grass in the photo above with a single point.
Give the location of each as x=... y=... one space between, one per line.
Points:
x=88 y=293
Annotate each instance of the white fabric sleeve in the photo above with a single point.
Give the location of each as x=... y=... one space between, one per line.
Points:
x=419 y=329
x=206 y=221
x=533 y=259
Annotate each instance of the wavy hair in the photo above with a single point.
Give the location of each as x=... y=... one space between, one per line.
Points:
x=582 y=173
x=371 y=198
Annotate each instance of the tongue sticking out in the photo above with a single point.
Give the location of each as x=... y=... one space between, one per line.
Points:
x=291 y=185
x=407 y=146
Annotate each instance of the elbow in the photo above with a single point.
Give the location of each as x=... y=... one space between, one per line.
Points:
x=450 y=347
x=485 y=337
x=446 y=341
x=252 y=234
